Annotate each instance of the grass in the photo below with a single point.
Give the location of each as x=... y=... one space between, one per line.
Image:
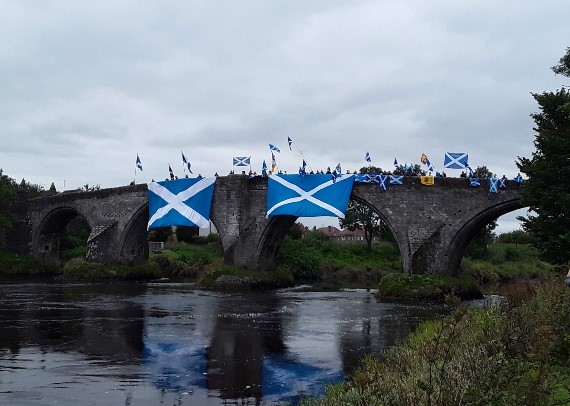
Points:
x=15 y=265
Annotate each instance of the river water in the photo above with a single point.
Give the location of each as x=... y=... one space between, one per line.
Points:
x=172 y=344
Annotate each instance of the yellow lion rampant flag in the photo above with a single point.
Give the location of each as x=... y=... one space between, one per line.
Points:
x=427 y=180
x=424 y=158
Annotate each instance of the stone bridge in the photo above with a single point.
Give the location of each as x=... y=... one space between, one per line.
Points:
x=431 y=224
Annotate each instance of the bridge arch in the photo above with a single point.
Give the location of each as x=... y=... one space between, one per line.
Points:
x=271 y=240
x=133 y=242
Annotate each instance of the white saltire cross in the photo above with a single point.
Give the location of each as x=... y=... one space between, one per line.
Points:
x=176 y=202
x=303 y=195
x=455 y=162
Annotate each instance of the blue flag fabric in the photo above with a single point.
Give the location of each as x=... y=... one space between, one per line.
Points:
x=362 y=178
x=474 y=182
x=396 y=179
x=139 y=163
x=382 y=180
x=395 y=162
x=242 y=161
x=182 y=202
x=308 y=196
x=502 y=183
x=264 y=168
x=518 y=178
x=455 y=160
x=493 y=183
x=290 y=141
x=274 y=148
x=367 y=157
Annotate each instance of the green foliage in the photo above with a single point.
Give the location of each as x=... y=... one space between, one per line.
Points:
x=76 y=252
x=482 y=172
x=501 y=355
x=160 y=234
x=8 y=193
x=24 y=265
x=232 y=277
x=361 y=216
x=478 y=246
x=546 y=190
x=79 y=269
x=186 y=234
x=370 y=169
x=295 y=232
x=426 y=287
x=515 y=237
x=411 y=170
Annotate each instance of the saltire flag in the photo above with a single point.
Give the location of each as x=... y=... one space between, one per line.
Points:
x=273 y=162
x=367 y=157
x=274 y=148
x=362 y=178
x=474 y=182
x=338 y=169
x=183 y=202
x=427 y=180
x=139 y=163
x=470 y=170
x=518 y=178
x=396 y=179
x=290 y=141
x=424 y=159
x=502 y=183
x=382 y=181
x=186 y=162
x=455 y=160
x=171 y=173
x=395 y=162
x=405 y=167
x=429 y=165
x=493 y=183
x=302 y=169
x=264 y=168
x=308 y=196
x=242 y=161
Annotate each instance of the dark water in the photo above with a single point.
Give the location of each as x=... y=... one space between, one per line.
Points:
x=170 y=344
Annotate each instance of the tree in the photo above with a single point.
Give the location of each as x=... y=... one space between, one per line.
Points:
x=370 y=169
x=411 y=170
x=478 y=245
x=8 y=194
x=546 y=191
x=482 y=172
x=359 y=215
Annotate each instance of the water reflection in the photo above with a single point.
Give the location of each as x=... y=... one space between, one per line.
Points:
x=137 y=344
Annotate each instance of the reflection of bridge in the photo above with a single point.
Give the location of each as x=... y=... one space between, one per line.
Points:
x=431 y=224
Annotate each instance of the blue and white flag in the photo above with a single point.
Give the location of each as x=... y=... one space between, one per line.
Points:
x=264 y=168
x=338 y=169
x=308 y=196
x=186 y=162
x=242 y=160
x=182 y=202
x=519 y=178
x=139 y=163
x=493 y=183
x=395 y=162
x=382 y=181
x=502 y=183
x=455 y=160
x=274 y=148
x=362 y=178
x=474 y=182
x=396 y=179
x=290 y=141
x=303 y=168
x=367 y=157
x=429 y=165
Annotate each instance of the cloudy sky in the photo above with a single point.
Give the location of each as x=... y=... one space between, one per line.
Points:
x=86 y=85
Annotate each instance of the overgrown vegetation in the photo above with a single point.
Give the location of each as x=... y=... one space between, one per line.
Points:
x=427 y=287
x=15 y=265
x=513 y=353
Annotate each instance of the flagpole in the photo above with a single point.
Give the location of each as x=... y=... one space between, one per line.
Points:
x=303 y=155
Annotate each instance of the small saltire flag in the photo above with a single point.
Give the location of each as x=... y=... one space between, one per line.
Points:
x=139 y=163
x=367 y=157
x=302 y=169
x=493 y=183
x=308 y=196
x=429 y=165
x=427 y=180
x=395 y=162
x=470 y=170
x=362 y=178
x=455 y=160
x=242 y=161
x=424 y=158
x=518 y=178
x=502 y=183
x=186 y=162
x=396 y=179
x=264 y=168
x=183 y=202
x=382 y=181
x=273 y=162
x=274 y=148
x=338 y=169
x=171 y=173
x=474 y=182
x=290 y=141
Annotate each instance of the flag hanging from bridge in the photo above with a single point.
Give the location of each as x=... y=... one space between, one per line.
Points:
x=182 y=202
x=396 y=179
x=493 y=184
x=308 y=196
x=455 y=160
x=427 y=180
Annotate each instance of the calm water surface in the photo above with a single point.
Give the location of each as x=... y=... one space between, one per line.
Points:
x=172 y=344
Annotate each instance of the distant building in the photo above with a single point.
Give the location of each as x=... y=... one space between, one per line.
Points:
x=338 y=236
x=204 y=232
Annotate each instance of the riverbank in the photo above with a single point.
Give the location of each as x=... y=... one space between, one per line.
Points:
x=514 y=353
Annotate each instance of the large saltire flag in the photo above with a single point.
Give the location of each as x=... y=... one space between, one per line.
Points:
x=456 y=160
x=308 y=196
x=182 y=202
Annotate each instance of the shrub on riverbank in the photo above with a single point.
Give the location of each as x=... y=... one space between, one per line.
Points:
x=79 y=269
x=187 y=261
x=508 y=354
x=21 y=265
x=426 y=287
x=232 y=277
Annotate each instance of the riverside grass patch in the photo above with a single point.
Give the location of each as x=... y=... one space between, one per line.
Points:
x=79 y=269
x=12 y=264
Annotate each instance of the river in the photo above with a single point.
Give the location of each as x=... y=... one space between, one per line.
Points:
x=173 y=344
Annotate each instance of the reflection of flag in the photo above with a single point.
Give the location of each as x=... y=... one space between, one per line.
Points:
x=493 y=183
x=290 y=141
x=455 y=160
x=183 y=202
x=264 y=168
x=427 y=180
x=273 y=163
x=308 y=196
x=382 y=181
x=274 y=148
x=367 y=157
x=474 y=182
x=396 y=179
x=185 y=161
x=424 y=158
x=171 y=173
x=242 y=160
x=139 y=163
